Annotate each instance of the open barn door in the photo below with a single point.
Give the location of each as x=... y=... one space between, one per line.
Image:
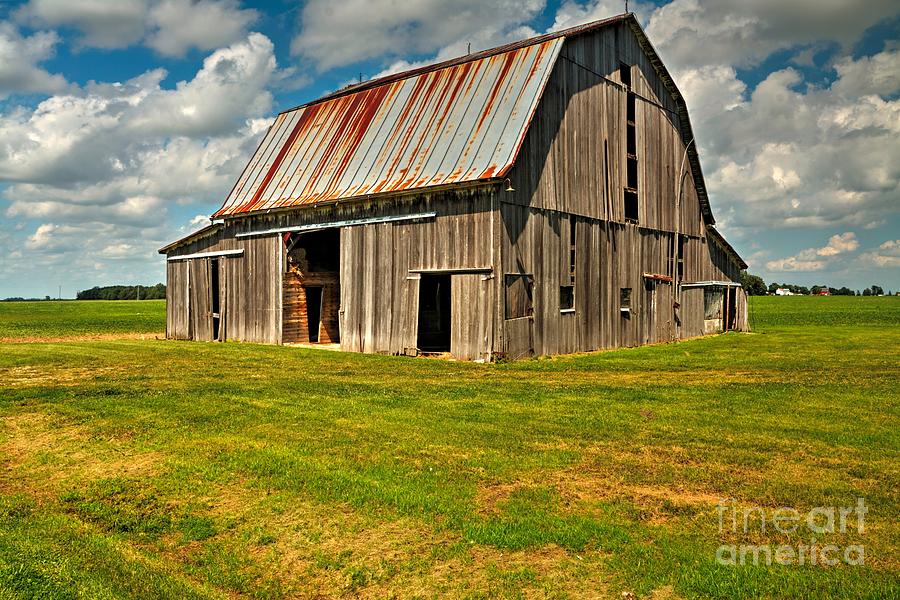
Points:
x=435 y=313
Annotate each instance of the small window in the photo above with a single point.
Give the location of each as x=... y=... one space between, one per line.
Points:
x=631 y=206
x=625 y=74
x=625 y=300
x=680 y=257
x=567 y=297
x=519 y=296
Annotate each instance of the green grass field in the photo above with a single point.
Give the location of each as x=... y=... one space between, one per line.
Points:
x=155 y=469
x=33 y=321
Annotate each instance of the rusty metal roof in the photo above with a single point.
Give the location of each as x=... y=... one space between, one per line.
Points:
x=459 y=123
x=339 y=145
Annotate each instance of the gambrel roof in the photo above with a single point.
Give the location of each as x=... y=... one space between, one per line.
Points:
x=454 y=122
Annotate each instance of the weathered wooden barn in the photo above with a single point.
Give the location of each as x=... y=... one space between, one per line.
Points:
x=539 y=198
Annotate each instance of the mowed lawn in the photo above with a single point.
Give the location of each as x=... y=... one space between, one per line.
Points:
x=155 y=469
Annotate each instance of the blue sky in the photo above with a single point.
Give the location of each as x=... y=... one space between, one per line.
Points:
x=124 y=124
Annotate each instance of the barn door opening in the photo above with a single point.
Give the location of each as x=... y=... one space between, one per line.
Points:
x=215 y=297
x=313 y=312
x=311 y=287
x=434 y=313
x=729 y=309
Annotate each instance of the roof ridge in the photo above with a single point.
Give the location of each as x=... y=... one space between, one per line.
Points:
x=460 y=60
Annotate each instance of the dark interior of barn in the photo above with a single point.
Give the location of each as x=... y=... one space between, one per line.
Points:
x=312 y=289
x=434 y=313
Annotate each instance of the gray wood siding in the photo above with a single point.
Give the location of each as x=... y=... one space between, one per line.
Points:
x=573 y=158
x=380 y=283
x=572 y=169
x=250 y=289
x=178 y=325
x=609 y=257
x=705 y=260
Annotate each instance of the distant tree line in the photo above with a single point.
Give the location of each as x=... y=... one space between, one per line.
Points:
x=124 y=292
x=21 y=299
x=755 y=286
x=875 y=290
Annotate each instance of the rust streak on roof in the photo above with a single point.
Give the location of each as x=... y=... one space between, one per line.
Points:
x=436 y=126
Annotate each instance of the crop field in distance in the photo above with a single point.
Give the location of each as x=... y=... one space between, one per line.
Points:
x=134 y=467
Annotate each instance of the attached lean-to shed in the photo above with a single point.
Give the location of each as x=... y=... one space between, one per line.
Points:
x=543 y=197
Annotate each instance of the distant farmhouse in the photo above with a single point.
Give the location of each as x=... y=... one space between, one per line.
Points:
x=544 y=197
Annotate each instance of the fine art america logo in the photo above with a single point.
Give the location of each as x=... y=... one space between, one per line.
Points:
x=815 y=528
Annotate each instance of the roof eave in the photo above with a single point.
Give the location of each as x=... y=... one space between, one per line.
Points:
x=199 y=234
x=728 y=247
x=364 y=198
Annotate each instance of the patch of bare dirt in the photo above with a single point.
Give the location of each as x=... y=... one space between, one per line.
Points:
x=38 y=450
x=585 y=484
x=332 y=551
x=28 y=376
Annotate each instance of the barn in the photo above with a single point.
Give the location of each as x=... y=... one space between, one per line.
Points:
x=539 y=198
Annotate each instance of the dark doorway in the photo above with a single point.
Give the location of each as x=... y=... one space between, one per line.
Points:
x=313 y=311
x=215 y=297
x=730 y=309
x=434 y=313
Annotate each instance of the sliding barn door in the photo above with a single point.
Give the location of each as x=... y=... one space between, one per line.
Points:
x=471 y=306
x=201 y=309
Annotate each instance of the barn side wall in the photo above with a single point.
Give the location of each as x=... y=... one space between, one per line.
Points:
x=381 y=267
x=608 y=258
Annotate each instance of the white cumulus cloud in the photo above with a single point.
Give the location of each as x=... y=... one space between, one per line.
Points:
x=171 y=27
x=693 y=33
x=887 y=255
x=334 y=34
x=94 y=172
x=20 y=59
x=816 y=259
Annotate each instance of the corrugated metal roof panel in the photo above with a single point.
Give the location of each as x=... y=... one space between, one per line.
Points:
x=464 y=122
